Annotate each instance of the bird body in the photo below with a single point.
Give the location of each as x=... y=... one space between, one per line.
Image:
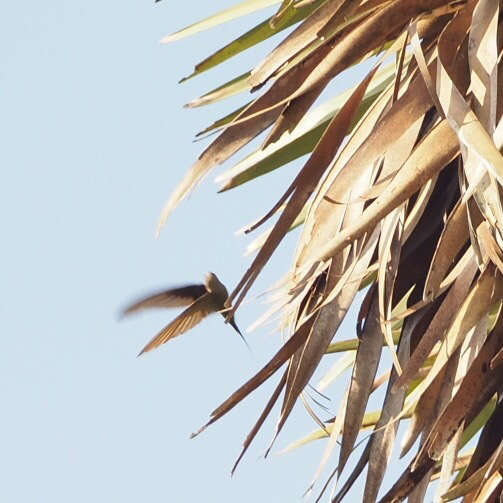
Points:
x=201 y=299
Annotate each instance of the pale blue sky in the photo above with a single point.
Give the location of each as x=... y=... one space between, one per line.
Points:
x=94 y=139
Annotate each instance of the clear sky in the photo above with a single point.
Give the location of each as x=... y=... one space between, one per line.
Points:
x=94 y=138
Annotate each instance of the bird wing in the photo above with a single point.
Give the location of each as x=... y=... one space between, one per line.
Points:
x=175 y=297
x=193 y=315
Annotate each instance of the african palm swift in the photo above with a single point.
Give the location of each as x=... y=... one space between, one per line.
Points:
x=202 y=300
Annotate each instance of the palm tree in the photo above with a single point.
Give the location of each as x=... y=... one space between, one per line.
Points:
x=400 y=199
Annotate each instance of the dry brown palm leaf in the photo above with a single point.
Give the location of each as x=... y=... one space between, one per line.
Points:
x=474 y=484
x=487 y=291
x=489 y=439
x=329 y=317
x=440 y=323
x=454 y=237
x=402 y=192
x=234 y=137
x=368 y=35
x=436 y=150
x=351 y=169
x=382 y=441
x=292 y=114
x=467 y=353
x=267 y=371
x=478 y=385
x=304 y=185
x=300 y=38
x=390 y=246
x=364 y=371
x=328 y=21
x=424 y=413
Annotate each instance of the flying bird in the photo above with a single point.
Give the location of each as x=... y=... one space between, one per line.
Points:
x=202 y=300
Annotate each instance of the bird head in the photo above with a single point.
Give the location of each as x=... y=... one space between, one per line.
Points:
x=213 y=284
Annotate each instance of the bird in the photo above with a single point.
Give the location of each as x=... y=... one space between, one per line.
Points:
x=201 y=299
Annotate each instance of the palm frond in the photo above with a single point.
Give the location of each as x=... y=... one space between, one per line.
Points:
x=401 y=195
